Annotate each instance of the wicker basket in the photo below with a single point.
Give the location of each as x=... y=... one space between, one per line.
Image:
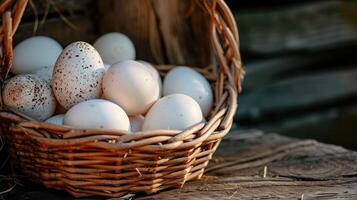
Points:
x=113 y=163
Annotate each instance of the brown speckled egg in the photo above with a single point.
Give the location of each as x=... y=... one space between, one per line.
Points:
x=77 y=75
x=30 y=95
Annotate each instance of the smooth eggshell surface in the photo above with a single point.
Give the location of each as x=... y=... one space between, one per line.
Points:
x=136 y=123
x=57 y=119
x=184 y=80
x=115 y=47
x=173 y=112
x=77 y=75
x=153 y=71
x=131 y=86
x=30 y=95
x=106 y=66
x=45 y=73
x=35 y=53
x=97 y=114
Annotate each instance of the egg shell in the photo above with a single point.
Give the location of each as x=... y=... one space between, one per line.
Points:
x=30 y=95
x=106 y=66
x=131 y=86
x=97 y=114
x=153 y=71
x=115 y=47
x=184 y=80
x=45 y=73
x=136 y=123
x=34 y=53
x=77 y=75
x=57 y=119
x=173 y=112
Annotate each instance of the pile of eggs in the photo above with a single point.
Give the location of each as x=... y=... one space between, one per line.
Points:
x=103 y=87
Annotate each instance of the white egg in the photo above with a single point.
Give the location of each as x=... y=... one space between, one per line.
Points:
x=184 y=80
x=30 y=95
x=131 y=86
x=136 y=123
x=97 y=114
x=115 y=47
x=35 y=53
x=77 y=75
x=45 y=73
x=57 y=119
x=173 y=112
x=153 y=71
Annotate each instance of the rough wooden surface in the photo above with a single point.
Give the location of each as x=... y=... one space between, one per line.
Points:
x=300 y=92
x=295 y=169
x=308 y=26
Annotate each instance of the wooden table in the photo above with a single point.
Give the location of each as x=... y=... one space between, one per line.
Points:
x=262 y=166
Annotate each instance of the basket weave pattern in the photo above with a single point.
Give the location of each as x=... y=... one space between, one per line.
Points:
x=113 y=163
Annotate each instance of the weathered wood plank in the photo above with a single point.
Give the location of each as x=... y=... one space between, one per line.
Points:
x=293 y=168
x=301 y=92
x=310 y=26
x=264 y=71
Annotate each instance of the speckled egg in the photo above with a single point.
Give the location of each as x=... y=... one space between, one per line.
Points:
x=30 y=95
x=77 y=75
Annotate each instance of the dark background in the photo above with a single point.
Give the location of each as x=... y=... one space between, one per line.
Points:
x=301 y=59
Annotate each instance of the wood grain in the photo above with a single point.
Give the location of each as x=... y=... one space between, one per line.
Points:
x=299 y=28
x=299 y=92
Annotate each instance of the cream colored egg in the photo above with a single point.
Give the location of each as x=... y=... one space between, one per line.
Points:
x=153 y=71
x=173 y=112
x=57 y=119
x=115 y=47
x=45 y=73
x=136 y=123
x=30 y=95
x=77 y=75
x=35 y=53
x=97 y=114
x=131 y=86
x=184 y=80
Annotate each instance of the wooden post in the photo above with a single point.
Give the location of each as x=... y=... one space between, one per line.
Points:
x=164 y=32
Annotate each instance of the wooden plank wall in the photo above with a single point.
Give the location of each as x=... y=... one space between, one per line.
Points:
x=301 y=64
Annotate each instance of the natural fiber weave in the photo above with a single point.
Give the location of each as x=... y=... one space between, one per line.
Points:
x=113 y=163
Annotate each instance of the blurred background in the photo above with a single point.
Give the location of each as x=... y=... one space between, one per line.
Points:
x=300 y=56
x=301 y=63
